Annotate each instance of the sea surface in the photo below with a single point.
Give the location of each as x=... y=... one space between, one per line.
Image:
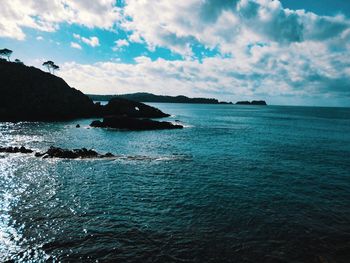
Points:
x=237 y=184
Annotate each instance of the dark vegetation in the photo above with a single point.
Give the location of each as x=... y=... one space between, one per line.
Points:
x=51 y=66
x=6 y=53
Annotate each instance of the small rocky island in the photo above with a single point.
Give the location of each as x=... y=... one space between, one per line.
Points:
x=29 y=94
x=254 y=102
x=127 y=123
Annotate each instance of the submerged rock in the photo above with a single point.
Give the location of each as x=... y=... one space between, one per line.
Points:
x=127 y=123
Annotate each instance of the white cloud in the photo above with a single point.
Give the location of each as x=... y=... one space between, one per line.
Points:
x=76 y=36
x=303 y=69
x=46 y=15
x=39 y=38
x=120 y=43
x=75 y=45
x=229 y=25
x=263 y=48
x=92 y=41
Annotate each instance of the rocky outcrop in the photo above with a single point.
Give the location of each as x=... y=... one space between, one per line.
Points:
x=127 y=123
x=56 y=152
x=254 y=102
x=133 y=109
x=15 y=150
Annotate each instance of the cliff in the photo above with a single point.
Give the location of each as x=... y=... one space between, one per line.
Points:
x=27 y=93
x=30 y=94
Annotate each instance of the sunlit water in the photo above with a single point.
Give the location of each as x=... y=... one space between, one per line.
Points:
x=238 y=184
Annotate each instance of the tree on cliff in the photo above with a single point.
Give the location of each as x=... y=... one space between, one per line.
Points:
x=6 y=53
x=51 y=66
x=55 y=67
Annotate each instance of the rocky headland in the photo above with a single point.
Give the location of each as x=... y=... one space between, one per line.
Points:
x=29 y=94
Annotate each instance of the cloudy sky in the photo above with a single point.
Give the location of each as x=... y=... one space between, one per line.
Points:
x=285 y=51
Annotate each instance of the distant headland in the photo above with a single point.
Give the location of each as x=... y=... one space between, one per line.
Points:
x=149 y=97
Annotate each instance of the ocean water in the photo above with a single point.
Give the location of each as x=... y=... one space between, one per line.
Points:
x=237 y=184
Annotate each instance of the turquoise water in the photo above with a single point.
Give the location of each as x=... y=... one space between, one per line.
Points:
x=238 y=184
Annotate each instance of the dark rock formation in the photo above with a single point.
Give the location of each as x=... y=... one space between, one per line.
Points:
x=77 y=126
x=119 y=106
x=96 y=124
x=254 y=102
x=29 y=94
x=56 y=152
x=15 y=150
x=127 y=123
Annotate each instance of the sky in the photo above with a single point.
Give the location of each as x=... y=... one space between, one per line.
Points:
x=287 y=52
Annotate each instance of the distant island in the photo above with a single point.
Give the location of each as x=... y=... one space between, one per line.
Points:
x=149 y=97
x=254 y=102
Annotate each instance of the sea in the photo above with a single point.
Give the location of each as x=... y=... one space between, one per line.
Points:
x=237 y=184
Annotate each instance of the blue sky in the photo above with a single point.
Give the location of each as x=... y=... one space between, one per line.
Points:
x=287 y=52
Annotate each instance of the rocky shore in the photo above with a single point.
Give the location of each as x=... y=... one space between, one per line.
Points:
x=10 y=149
x=56 y=152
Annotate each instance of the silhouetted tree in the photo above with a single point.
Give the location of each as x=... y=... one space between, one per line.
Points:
x=6 y=53
x=48 y=64
x=19 y=61
x=51 y=66
x=55 y=67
